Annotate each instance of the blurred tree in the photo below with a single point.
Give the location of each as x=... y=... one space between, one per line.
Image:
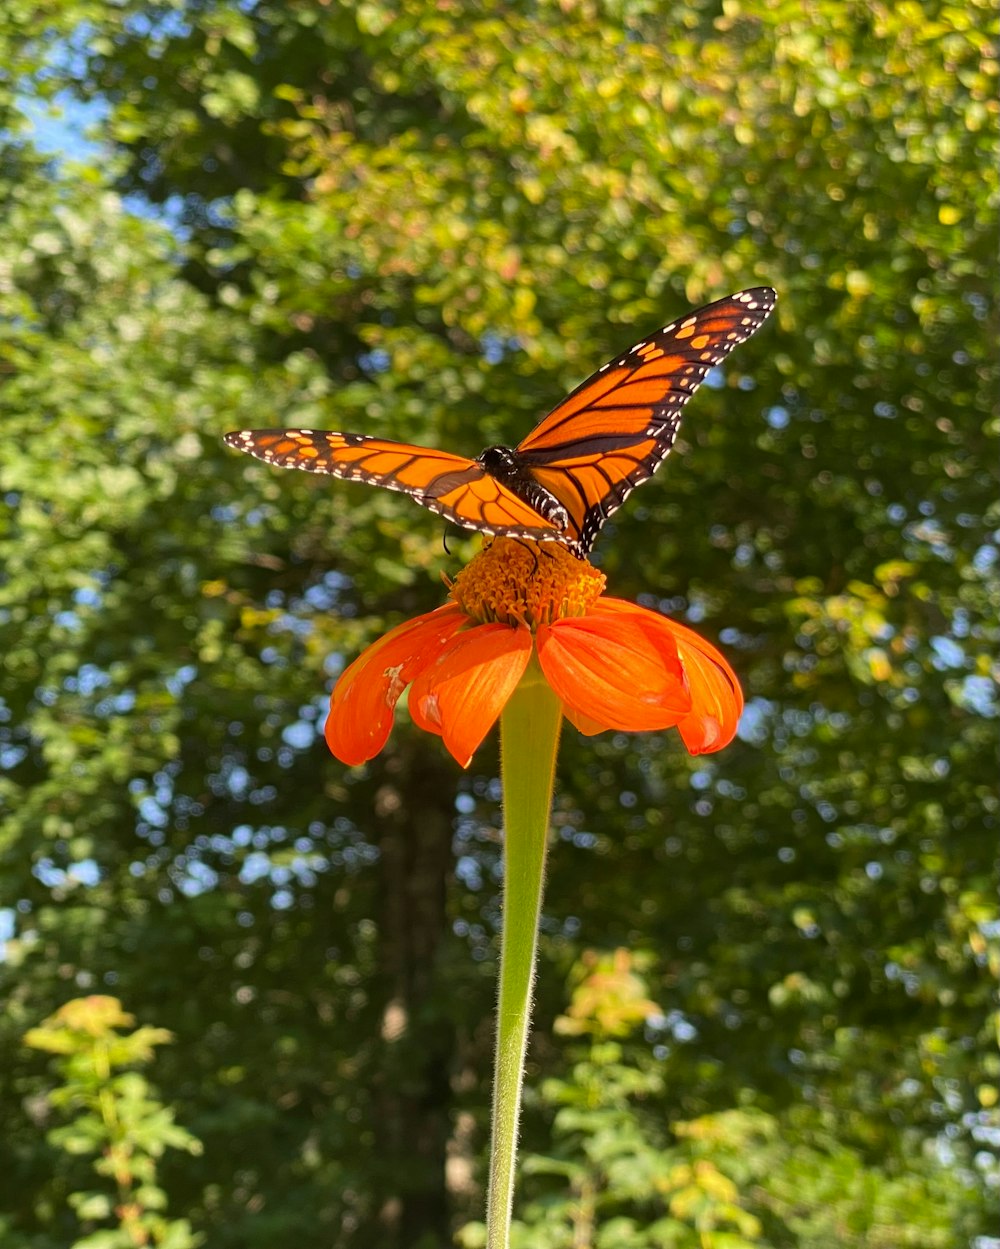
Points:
x=145 y=621
x=428 y=223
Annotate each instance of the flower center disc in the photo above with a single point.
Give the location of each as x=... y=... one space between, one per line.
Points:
x=517 y=582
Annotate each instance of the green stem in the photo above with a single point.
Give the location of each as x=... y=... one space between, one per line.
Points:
x=529 y=739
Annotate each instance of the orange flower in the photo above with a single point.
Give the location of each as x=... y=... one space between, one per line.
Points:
x=613 y=664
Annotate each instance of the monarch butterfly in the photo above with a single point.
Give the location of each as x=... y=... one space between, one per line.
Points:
x=576 y=467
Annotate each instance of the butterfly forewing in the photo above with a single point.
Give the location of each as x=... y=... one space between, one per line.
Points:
x=634 y=394
x=451 y=485
x=612 y=432
x=357 y=457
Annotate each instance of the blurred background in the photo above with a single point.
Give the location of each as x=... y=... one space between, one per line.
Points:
x=766 y=975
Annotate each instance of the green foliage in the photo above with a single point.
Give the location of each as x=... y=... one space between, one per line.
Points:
x=619 y=1177
x=625 y=1185
x=114 y=1119
x=429 y=222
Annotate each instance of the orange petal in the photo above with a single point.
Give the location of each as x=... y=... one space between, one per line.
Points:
x=608 y=671
x=366 y=693
x=717 y=700
x=460 y=695
x=716 y=697
x=583 y=724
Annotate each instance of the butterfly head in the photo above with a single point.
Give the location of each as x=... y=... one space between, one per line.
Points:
x=499 y=460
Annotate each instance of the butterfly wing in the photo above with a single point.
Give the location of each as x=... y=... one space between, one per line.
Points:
x=612 y=432
x=451 y=485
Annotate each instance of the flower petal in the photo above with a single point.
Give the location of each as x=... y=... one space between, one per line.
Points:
x=583 y=724
x=607 y=670
x=461 y=693
x=717 y=700
x=716 y=697
x=366 y=693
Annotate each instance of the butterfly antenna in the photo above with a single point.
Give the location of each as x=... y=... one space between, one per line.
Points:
x=532 y=548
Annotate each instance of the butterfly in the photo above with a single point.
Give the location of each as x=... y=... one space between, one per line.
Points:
x=576 y=467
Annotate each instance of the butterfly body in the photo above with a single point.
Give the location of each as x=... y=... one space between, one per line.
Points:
x=507 y=467
x=575 y=468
